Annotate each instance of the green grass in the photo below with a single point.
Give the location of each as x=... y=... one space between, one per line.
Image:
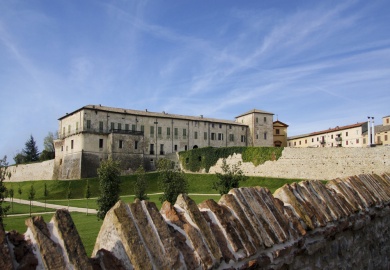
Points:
x=24 y=208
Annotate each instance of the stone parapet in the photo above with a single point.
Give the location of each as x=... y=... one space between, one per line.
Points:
x=344 y=224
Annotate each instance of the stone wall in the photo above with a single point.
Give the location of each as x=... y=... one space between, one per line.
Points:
x=344 y=224
x=318 y=163
x=30 y=172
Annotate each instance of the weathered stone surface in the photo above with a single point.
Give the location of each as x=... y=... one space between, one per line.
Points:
x=22 y=251
x=72 y=243
x=5 y=252
x=105 y=260
x=50 y=251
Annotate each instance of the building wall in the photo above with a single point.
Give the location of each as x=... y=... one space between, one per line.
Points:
x=280 y=134
x=352 y=137
x=317 y=163
x=31 y=172
x=260 y=127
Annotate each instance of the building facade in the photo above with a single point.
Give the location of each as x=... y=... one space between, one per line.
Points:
x=94 y=132
x=280 y=134
x=381 y=133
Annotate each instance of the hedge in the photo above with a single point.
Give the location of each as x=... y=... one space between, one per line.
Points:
x=203 y=158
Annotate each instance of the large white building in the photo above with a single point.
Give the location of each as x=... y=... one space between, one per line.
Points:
x=355 y=135
x=94 y=132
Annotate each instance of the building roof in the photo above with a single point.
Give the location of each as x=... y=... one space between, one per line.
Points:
x=280 y=122
x=386 y=116
x=337 y=128
x=379 y=129
x=152 y=114
x=254 y=111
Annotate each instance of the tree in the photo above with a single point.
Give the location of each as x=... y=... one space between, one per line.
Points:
x=141 y=184
x=171 y=181
x=45 y=193
x=31 y=195
x=20 y=158
x=11 y=195
x=3 y=174
x=230 y=178
x=87 y=194
x=49 y=151
x=31 y=150
x=69 y=193
x=109 y=182
x=20 y=192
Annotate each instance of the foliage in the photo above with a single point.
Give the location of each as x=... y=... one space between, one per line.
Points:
x=87 y=193
x=20 y=158
x=45 y=155
x=45 y=193
x=171 y=181
x=203 y=158
x=230 y=178
x=69 y=193
x=141 y=184
x=11 y=195
x=20 y=191
x=31 y=195
x=3 y=174
x=109 y=180
x=30 y=150
x=48 y=144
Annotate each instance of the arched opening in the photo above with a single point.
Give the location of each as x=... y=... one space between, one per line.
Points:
x=195 y=146
x=278 y=143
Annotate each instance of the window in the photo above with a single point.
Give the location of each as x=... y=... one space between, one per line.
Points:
x=68 y=129
x=265 y=119
x=133 y=127
x=346 y=142
x=230 y=126
x=265 y=135
x=277 y=131
x=159 y=131
x=212 y=125
x=101 y=126
x=168 y=131
x=257 y=136
x=243 y=138
x=175 y=147
x=205 y=135
x=135 y=144
x=127 y=127
x=385 y=137
x=151 y=130
x=220 y=125
x=346 y=134
x=364 y=141
x=312 y=139
x=387 y=120
x=100 y=143
x=184 y=133
x=63 y=131
x=305 y=141
x=185 y=148
x=71 y=144
x=88 y=124
x=176 y=133
x=142 y=128
x=120 y=144
x=161 y=149
x=119 y=126
x=231 y=137
x=331 y=136
x=151 y=149
x=220 y=136
x=257 y=120
x=357 y=140
x=112 y=125
x=295 y=143
x=77 y=126
x=195 y=135
x=212 y=136
x=299 y=142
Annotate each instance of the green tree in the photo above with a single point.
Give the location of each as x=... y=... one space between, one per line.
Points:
x=20 y=192
x=171 y=181
x=87 y=193
x=3 y=174
x=30 y=150
x=45 y=193
x=31 y=196
x=69 y=193
x=141 y=184
x=20 y=158
x=11 y=195
x=230 y=178
x=109 y=182
x=49 y=151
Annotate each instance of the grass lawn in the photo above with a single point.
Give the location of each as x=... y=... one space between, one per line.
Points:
x=24 y=208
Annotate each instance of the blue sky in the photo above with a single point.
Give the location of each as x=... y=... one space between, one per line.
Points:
x=315 y=64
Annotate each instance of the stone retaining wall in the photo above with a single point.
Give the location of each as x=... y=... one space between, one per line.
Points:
x=31 y=172
x=344 y=224
x=317 y=163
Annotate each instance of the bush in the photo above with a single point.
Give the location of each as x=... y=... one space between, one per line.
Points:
x=171 y=181
x=230 y=178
